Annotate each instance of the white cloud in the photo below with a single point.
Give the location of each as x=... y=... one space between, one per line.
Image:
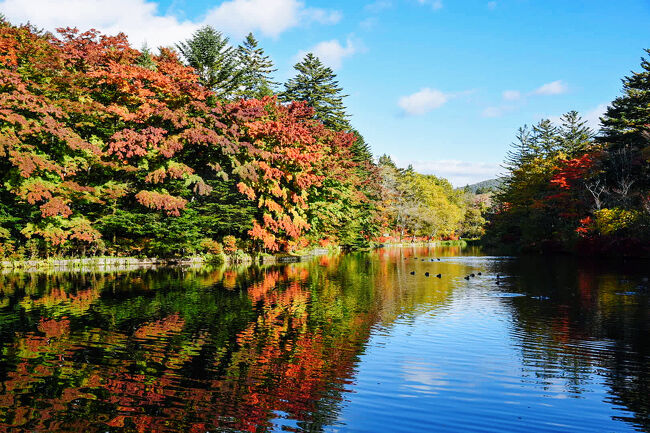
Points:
x=332 y=53
x=554 y=88
x=511 y=95
x=435 y=4
x=378 y=6
x=500 y=110
x=139 y=19
x=515 y=99
x=269 y=17
x=592 y=117
x=369 y=23
x=143 y=22
x=492 y=112
x=492 y=5
x=423 y=101
x=459 y=173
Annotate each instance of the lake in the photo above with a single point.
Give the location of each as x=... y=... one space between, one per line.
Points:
x=352 y=342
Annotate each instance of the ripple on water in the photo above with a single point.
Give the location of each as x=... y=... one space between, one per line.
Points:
x=346 y=343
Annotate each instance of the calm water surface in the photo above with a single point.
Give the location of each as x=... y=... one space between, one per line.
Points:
x=347 y=343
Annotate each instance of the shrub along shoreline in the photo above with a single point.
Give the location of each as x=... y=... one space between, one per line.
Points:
x=129 y=263
x=239 y=258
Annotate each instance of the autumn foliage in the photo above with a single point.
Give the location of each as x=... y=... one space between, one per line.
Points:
x=574 y=200
x=100 y=152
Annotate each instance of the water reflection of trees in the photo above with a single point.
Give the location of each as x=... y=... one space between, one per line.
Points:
x=596 y=320
x=192 y=350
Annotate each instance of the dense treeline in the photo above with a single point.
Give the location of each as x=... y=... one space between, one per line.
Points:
x=570 y=188
x=105 y=149
x=427 y=206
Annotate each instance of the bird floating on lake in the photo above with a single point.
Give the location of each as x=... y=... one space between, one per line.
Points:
x=426 y=274
x=412 y=272
x=439 y=275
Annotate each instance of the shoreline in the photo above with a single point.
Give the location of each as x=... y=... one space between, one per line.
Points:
x=131 y=263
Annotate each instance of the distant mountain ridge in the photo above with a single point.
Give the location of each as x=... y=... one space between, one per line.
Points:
x=484 y=186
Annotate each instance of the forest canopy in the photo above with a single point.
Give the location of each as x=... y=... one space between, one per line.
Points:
x=107 y=149
x=571 y=188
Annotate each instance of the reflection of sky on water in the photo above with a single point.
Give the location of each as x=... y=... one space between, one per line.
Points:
x=342 y=343
x=467 y=364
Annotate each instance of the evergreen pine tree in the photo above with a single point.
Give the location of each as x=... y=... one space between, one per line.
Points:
x=316 y=84
x=214 y=59
x=145 y=59
x=626 y=138
x=360 y=149
x=523 y=149
x=256 y=69
x=546 y=138
x=576 y=137
x=627 y=118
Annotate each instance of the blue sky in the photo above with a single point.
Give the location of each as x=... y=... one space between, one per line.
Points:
x=440 y=84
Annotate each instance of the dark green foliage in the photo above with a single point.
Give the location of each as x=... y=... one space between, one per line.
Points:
x=224 y=211
x=316 y=84
x=149 y=234
x=626 y=137
x=360 y=149
x=146 y=59
x=214 y=60
x=546 y=138
x=522 y=150
x=575 y=136
x=256 y=70
x=628 y=116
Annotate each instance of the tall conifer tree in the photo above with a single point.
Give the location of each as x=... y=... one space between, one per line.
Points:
x=523 y=149
x=316 y=84
x=626 y=120
x=546 y=137
x=214 y=59
x=576 y=137
x=626 y=134
x=256 y=69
